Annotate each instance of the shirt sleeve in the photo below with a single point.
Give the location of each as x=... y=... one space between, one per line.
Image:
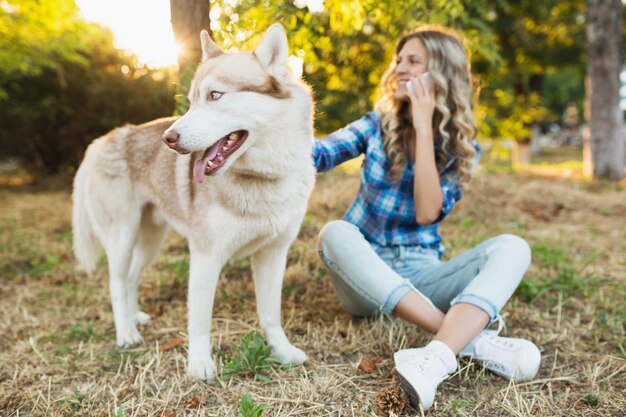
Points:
x=450 y=187
x=344 y=144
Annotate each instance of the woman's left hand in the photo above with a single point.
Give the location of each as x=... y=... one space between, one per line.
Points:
x=421 y=92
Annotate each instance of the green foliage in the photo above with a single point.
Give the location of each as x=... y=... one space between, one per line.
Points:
x=35 y=35
x=62 y=83
x=248 y=409
x=535 y=43
x=252 y=357
x=346 y=47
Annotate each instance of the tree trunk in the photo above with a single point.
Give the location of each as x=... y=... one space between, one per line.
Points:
x=520 y=154
x=604 y=62
x=189 y=17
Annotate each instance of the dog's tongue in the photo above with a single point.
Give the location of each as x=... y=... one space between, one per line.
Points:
x=199 y=167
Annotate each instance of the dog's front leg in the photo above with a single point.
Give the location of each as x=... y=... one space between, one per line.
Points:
x=268 y=267
x=204 y=271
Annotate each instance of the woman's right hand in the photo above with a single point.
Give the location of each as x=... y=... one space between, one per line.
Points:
x=421 y=92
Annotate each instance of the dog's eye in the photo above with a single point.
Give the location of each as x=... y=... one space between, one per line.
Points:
x=214 y=95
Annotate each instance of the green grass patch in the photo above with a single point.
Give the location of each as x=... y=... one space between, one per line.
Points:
x=84 y=332
x=247 y=408
x=253 y=357
x=591 y=400
x=239 y=267
x=72 y=403
x=293 y=289
x=558 y=274
x=458 y=404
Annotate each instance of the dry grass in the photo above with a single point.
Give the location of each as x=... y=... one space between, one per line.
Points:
x=57 y=353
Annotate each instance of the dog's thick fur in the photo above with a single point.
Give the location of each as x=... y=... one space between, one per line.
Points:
x=130 y=186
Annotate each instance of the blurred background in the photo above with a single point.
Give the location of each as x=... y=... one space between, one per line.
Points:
x=70 y=70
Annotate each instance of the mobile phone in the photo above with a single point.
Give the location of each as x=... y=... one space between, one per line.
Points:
x=426 y=78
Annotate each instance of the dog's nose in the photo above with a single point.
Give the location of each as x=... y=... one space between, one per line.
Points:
x=170 y=137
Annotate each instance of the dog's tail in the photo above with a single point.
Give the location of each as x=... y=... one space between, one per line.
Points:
x=86 y=246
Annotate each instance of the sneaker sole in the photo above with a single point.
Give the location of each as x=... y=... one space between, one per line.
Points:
x=410 y=392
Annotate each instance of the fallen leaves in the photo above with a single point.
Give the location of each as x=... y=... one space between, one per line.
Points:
x=171 y=344
x=369 y=365
x=193 y=403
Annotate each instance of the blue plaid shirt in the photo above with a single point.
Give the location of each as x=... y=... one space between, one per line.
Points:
x=384 y=209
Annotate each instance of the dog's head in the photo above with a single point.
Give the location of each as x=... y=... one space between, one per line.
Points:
x=243 y=102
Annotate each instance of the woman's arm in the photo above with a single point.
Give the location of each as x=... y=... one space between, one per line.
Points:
x=344 y=144
x=427 y=193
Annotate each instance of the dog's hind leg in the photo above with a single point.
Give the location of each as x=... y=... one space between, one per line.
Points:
x=152 y=232
x=120 y=241
x=268 y=267
x=204 y=272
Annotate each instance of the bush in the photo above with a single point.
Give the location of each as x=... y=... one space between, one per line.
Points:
x=50 y=116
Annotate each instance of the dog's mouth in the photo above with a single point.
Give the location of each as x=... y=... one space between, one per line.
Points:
x=214 y=157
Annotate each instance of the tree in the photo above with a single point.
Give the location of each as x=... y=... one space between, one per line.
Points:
x=604 y=63
x=63 y=83
x=348 y=44
x=34 y=36
x=540 y=45
x=188 y=17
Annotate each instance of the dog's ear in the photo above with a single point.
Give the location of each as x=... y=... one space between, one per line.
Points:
x=209 y=48
x=273 y=50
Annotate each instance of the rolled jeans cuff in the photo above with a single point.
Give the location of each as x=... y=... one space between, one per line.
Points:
x=480 y=302
x=396 y=295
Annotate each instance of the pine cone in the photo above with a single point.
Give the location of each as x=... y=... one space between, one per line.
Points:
x=390 y=400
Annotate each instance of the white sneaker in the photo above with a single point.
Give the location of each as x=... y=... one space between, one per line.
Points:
x=511 y=358
x=421 y=371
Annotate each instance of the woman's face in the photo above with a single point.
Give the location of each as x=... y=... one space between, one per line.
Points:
x=412 y=60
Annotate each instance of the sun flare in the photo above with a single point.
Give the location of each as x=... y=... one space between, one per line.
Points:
x=143 y=27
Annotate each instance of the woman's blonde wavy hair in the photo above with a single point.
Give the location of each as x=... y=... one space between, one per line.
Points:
x=453 y=123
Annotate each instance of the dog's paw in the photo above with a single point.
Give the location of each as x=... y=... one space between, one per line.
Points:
x=142 y=318
x=203 y=369
x=129 y=337
x=290 y=355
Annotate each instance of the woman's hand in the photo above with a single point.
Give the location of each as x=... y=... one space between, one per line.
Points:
x=421 y=92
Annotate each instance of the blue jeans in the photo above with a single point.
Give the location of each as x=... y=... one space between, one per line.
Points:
x=367 y=282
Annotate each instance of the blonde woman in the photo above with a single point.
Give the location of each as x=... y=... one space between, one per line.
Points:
x=384 y=256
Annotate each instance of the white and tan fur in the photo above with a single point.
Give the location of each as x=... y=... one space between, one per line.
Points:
x=130 y=186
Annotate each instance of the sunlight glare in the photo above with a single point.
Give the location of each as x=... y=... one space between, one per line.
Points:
x=143 y=27
x=315 y=6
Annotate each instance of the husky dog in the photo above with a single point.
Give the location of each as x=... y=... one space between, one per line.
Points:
x=237 y=185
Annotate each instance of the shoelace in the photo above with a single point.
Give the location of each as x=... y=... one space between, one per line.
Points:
x=504 y=342
x=501 y=324
x=423 y=364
